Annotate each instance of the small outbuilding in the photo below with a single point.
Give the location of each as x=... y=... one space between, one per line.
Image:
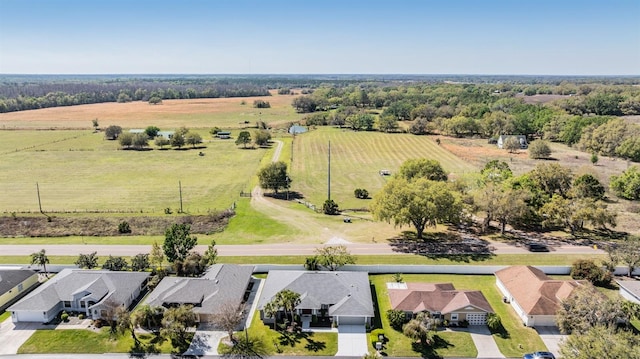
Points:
x=522 y=139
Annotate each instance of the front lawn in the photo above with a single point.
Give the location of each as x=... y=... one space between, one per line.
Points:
x=89 y=342
x=4 y=316
x=516 y=333
x=277 y=343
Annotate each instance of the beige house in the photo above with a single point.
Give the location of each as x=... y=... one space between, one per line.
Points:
x=533 y=295
x=14 y=283
x=441 y=300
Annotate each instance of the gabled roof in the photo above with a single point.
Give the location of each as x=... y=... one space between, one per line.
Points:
x=10 y=278
x=438 y=297
x=223 y=283
x=98 y=285
x=346 y=293
x=534 y=291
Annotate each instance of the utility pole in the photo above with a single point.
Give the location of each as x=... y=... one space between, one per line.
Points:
x=180 y=188
x=39 y=203
x=329 y=175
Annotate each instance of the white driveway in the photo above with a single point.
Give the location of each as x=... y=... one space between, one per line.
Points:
x=352 y=340
x=484 y=342
x=205 y=342
x=12 y=336
x=552 y=338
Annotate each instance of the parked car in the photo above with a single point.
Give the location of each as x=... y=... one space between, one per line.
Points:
x=537 y=247
x=539 y=355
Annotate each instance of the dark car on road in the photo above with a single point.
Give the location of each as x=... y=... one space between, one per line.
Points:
x=539 y=355
x=537 y=247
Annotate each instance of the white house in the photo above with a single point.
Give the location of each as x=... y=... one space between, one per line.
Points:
x=522 y=139
x=90 y=292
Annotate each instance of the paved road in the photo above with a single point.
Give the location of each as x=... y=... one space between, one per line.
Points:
x=283 y=249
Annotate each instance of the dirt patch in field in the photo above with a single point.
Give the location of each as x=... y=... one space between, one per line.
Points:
x=536 y=99
x=40 y=226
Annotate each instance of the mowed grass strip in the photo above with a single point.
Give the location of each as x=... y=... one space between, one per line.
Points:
x=392 y=259
x=356 y=159
x=86 y=342
x=518 y=335
x=89 y=173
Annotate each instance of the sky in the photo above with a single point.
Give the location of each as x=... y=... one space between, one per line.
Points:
x=515 y=37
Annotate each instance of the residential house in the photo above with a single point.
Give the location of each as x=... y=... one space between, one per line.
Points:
x=166 y=134
x=522 y=139
x=441 y=300
x=221 y=284
x=630 y=290
x=533 y=295
x=342 y=298
x=15 y=283
x=94 y=293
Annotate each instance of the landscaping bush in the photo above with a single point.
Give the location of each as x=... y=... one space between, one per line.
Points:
x=589 y=270
x=124 y=227
x=330 y=207
x=81 y=316
x=361 y=193
x=397 y=319
x=64 y=317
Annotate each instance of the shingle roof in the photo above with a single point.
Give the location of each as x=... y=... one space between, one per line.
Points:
x=631 y=286
x=439 y=297
x=221 y=284
x=347 y=293
x=10 y=278
x=100 y=285
x=534 y=291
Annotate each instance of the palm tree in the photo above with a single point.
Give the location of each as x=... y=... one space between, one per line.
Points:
x=40 y=258
x=289 y=300
x=270 y=310
x=416 y=330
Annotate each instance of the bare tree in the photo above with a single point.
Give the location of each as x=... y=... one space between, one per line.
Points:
x=229 y=317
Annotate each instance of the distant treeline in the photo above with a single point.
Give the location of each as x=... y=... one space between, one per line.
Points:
x=30 y=95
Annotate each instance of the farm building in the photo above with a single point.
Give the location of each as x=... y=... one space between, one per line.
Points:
x=522 y=139
x=223 y=134
x=165 y=134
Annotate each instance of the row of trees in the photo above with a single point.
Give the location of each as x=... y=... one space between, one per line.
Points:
x=181 y=137
x=477 y=110
x=18 y=96
x=261 y=138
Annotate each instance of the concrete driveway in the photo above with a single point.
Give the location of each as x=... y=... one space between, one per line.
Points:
x=352 y=340
x=12 y=336
x=552 y=338
x=205 y=342
x=483 y=340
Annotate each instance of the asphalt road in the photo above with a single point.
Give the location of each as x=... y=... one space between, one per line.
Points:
x=285 y=249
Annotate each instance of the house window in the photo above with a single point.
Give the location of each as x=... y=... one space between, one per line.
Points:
x=83 y=304
x=454 y=317
x=67 y=304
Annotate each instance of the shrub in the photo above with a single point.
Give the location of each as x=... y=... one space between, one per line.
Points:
x=627 y=185
x=397 y=277
x=124 y=227
x=330 y=207
x=81 y=316
x=587 y=269
x=494 y=322
x=361 y=193
x=397 y=319
x=64 y=317
x=539 y=149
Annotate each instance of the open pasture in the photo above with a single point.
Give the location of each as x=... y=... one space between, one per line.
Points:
x=196 y=113
x=356 y=159
x=80 y=171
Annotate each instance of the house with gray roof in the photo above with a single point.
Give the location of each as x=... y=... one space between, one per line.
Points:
x=221 y=284
x=329 y=297
x=15 y=283
x=630 y=290
x=94 y=293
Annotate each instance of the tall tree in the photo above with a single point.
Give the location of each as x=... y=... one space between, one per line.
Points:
x=177 y=140
x=422 y=168
x=552 y=178
x=334 y=257
x=211 y=254
x=601 y=342
x=178 y=242
x=288 y=300
x=585 y=308
x=244 y=137
x=626 y=252
x=156 y=257
x=274 y=176
x=41 y=259
x=419 y=203
x=140 y=262
x=193 y=139
x=176 y=323
x=127 y=322
x=115 y=263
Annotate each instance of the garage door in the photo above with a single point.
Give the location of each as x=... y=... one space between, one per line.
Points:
x=477 y=318
x=351 y=321
x=27 y=316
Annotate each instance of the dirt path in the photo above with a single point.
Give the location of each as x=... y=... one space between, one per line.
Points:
x=309 y=228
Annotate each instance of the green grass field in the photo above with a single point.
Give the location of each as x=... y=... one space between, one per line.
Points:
x=80 y=171
x=86 y=342
x=356 y=159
